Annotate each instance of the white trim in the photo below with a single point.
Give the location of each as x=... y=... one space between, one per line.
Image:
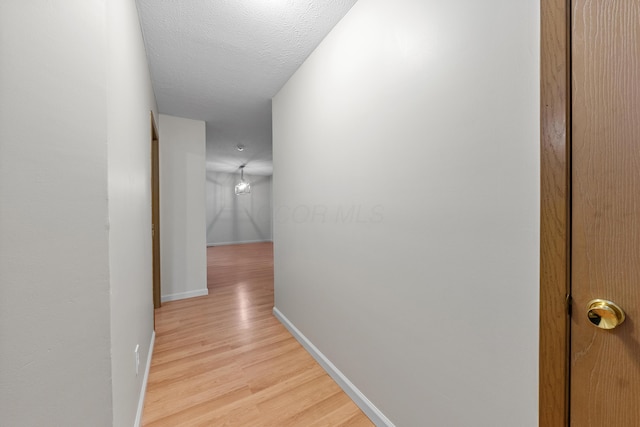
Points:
x=184 y=295
x=237 y=243
x=356 y=395
x=143 y=391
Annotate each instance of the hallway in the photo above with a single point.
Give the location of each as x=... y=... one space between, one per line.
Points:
x=225 y=360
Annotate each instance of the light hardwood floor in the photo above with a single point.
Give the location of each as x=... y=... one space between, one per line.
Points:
x=225 y=360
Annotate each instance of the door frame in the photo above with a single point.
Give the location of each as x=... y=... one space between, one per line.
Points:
x=555 y=212
x=155 y=213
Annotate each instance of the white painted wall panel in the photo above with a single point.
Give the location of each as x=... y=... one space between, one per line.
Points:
x=55 y=365
x=130 y=101
x=406 y=207
x=237 y=219
x=183 y=243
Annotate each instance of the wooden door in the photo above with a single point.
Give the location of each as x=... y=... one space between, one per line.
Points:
x=155 y=212
x=605 y=206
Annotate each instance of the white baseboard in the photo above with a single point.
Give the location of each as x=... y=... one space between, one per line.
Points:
x=143 y=391
x=352 y=391
x=184 y=295
x=237 y=243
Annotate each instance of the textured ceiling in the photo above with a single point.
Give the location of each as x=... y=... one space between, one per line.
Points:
x=222 y=61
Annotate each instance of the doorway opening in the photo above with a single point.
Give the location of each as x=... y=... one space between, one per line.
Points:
x=155 y=212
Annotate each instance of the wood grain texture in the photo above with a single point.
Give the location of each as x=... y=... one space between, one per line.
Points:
x=554 y=214
x=225 y=360
x=605 y=370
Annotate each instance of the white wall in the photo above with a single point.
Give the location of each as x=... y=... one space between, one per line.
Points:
x=75 y=245
x=55 y=365
x=130 y=100
x=183 y=243
x=237 y=219
x=406 y=207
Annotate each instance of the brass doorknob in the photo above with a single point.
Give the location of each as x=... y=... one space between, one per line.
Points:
x=604 y=314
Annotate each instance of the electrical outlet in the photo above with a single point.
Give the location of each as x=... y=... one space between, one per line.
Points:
x=137 y=353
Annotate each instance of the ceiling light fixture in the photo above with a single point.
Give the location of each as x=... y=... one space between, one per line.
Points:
x=240 y=147
x=242 y=187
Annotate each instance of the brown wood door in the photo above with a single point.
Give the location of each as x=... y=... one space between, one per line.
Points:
x=605 y=230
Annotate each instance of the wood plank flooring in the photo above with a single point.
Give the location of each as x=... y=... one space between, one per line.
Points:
x=225 y=360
